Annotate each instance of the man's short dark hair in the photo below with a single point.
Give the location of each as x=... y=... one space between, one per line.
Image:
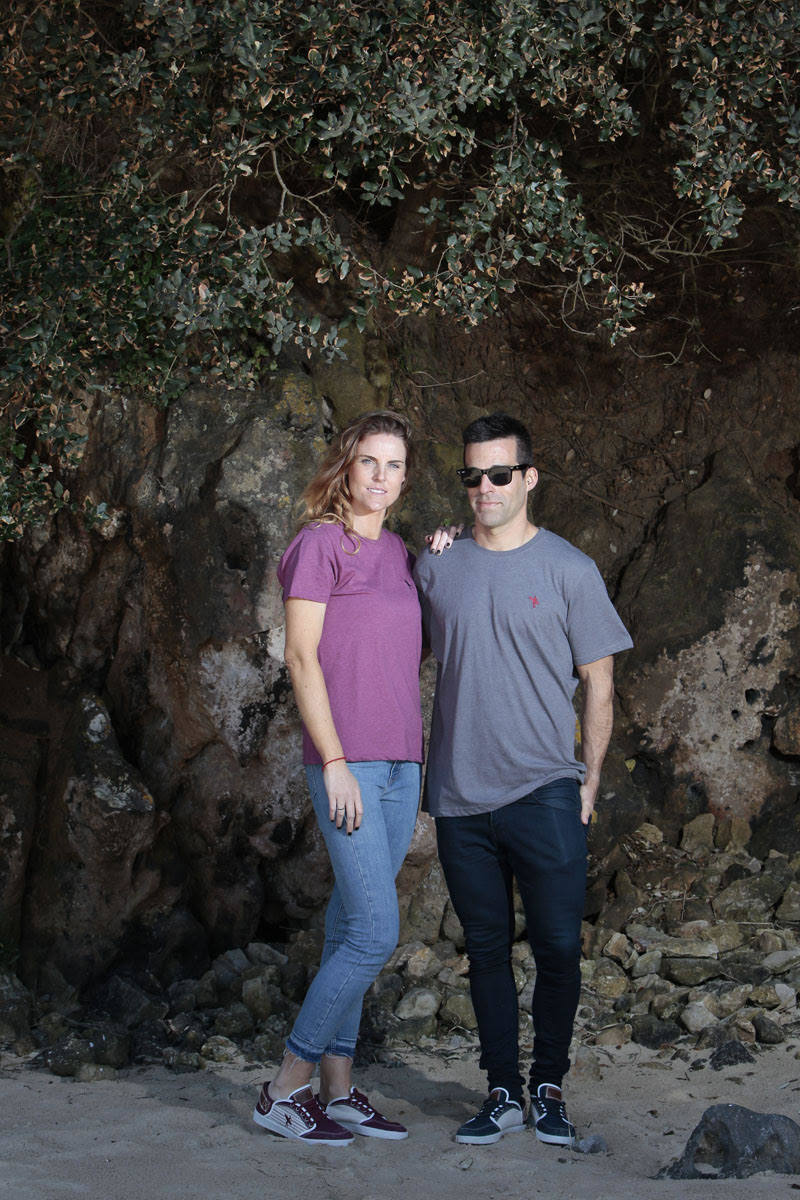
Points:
x=500 y=425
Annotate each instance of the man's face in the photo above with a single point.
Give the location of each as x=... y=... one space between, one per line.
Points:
x=497 y=506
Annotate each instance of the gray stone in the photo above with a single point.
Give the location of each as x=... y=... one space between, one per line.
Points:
x=781 y=960
x=729 y=998
x=261 y=996
x=418 y=1002
x=649 y=1031
x=697 y=837
x=614 y=1035
x=183 y=1060
x=786 y=730
x=744 y=966
x=182 y=996
x=690 y=971
x=220 y=1049
x=689 y=947
x=234 y=1021
x=648 y=963
x=618 y=947
x=789 y=907
x=697 y=1017
x=609 y=980
x=751 y=899
x=451 y=926
x=457 y=1010
x=15 y=1009
x=730 y=1054
x=68 y=1054
x=94 y=1072
x=424 y=963
x=127 y=1004
x=593 y=1144
x=731 y=1142
x=265 y=955
x=768 y=1032
x=109 y=1047
x=423 y=919
x=414 y=1030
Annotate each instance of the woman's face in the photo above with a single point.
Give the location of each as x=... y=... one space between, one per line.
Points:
x=377 y=473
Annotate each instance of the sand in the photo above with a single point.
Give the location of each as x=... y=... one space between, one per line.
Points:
x=154 y=1133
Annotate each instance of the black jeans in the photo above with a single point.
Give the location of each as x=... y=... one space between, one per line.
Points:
x=541 y=841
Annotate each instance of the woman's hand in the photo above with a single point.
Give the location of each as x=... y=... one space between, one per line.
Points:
x=443 y=538
x=344 y=796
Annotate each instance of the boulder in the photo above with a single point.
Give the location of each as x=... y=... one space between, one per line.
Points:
x=731 y=1142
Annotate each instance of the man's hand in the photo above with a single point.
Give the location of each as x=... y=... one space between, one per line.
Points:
x=588 y=797
x=344 y=796
x=597 y=718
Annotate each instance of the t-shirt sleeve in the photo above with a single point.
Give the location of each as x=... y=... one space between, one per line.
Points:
x=593 y=627
x=307 y=570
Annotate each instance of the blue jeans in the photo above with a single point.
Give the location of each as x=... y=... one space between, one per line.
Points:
x=541 y=841
x=362 y=920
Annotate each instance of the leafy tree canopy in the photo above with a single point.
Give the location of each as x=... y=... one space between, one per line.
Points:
x=189 y=188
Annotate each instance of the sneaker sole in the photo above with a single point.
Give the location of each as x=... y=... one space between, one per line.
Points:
x=264 y=1122
x=474 y=1139
x=555 y=1139
x=386 y=1134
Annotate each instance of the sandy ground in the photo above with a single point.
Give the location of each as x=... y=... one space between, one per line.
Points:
x=152 y=1133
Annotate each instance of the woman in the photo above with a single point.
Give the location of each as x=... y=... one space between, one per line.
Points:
x=353 y=643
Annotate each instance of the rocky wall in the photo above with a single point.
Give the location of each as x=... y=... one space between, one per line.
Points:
x=154 y=810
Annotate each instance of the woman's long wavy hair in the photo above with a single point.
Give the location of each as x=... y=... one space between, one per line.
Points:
x=327 y=496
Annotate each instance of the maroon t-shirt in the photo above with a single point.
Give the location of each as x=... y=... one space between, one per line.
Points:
x=371 y=640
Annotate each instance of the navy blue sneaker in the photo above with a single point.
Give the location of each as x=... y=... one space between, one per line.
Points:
x=497 y=1116
x=549 y=1116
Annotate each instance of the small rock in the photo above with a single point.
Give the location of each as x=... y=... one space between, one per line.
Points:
x=182 y=1060
x=92 y=1072
x=68 y=1055
x=265 y=955
x=649 y=835
x=648 y=1031
x=789 y=907
x=614 y=1035
x=781 y=960
x=696 y=1018
x=457 y=1010
x=648 y=963
x=730 y=1054
x=423 y=964
x=690 y=971
x=768 y=1032
x=593 y=1144
x=418 y=1002
x=618 y=947
x=234 y=1021
x=585 y=1064
x=697 y=837
x=220 y=1049
x=609 y=980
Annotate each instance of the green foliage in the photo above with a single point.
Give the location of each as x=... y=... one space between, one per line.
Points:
x=187 y=188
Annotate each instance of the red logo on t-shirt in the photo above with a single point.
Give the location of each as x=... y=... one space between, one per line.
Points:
x=534 y=600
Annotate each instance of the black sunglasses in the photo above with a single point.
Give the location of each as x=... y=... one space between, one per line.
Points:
x=499 y=476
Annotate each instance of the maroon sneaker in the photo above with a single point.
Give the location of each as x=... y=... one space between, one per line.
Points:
x=299 y=1116
x=355 y=1112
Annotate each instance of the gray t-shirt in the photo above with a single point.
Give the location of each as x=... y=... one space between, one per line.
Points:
x=508 y=628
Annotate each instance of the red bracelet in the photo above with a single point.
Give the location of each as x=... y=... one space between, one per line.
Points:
x=341 y=758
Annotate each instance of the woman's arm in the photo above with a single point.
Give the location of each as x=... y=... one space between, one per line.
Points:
x=304 y=619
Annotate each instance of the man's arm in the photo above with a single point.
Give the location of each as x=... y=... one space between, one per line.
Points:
x=597 y=719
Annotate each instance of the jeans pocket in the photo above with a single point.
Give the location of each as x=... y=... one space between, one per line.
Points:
x=564 y=794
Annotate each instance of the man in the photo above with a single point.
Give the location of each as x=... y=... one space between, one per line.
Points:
x=516 y=617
